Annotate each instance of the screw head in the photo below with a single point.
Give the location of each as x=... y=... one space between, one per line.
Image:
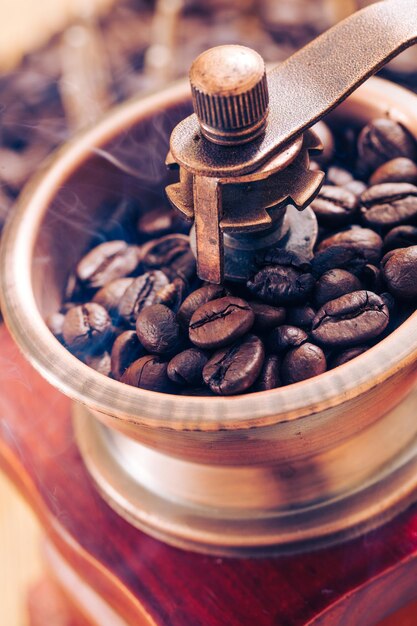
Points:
x=230 y=94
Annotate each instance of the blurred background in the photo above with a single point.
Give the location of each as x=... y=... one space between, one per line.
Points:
x=62 y=64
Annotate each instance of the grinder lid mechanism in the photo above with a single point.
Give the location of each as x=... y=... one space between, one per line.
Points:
x=244 y=154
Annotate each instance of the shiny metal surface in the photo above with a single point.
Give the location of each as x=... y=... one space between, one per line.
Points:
x=275 y=508
x=216 y=206
x=297 y=233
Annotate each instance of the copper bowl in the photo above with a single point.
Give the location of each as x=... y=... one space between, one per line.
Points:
x=285 y=469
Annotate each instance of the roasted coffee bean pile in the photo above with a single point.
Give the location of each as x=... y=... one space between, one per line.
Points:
x=139 y=314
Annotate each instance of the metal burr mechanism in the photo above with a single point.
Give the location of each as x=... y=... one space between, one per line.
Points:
x=243 y=215
x=244 y=155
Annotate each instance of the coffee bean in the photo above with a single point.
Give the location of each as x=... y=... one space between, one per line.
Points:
x=111 y=293
x=155 y=223
x=363 y=239
x=357 y=187
x=140 y=294
x=301 y=316
x=285 y=337
x=220 y=322
x=326 y=137
x=388 y=205
x=382 y=140
x=338 y=176
x=173 y=294
x=234 y=369
x=184 y=267
x=372 y=279
x=106 y=262
x=126 y=349
x=399 y=170
x=280 y=256
x=158 y=329
x=55 y=323
x=162 y=251
x=334 y=206
x=347 y=355
x=400 y=272
x=389 y=300
x=101 y=363
x=350 y=320
x=302 y=363
x=171 y=253
x=281 y=285
x=196 y=299
x=160 y=221
x=270 y=377
x=400 y=237
x=148 y=372
x=87 y=327
x=186 y=368
x=335 y=283
x=350 y=258
x=266 y=316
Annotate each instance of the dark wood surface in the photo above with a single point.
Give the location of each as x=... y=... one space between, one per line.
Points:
x=147 y=582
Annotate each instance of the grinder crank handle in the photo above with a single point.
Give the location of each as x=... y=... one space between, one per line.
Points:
x=316 y=79
x=306 y=86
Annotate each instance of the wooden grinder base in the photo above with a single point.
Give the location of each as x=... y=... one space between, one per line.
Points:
x=142 y=581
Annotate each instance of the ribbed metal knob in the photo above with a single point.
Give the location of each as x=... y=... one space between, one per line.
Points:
x=230 y=94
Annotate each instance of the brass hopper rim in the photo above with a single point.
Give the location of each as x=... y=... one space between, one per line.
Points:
x=140 y=407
